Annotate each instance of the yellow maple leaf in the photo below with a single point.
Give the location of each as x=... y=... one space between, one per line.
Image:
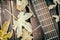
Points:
x=5 y=26
x=3 y=32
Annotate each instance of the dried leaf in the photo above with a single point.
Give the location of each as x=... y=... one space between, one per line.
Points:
x=5 y=26
x=57 y=18
x=21 y=21
x=51 y=7
x=26 y=35
x=56 y=1
x=8 y=35
x=54 y=5
x=21 y=4
x=3 y=32
x=27 y=26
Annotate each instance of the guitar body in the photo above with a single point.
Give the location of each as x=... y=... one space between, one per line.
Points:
x=37 y=34
x=46 y=21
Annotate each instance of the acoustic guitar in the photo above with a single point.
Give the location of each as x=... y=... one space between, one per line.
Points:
x=42 y=12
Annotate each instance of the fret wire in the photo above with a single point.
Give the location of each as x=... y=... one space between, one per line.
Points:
x=49 y=31
x=46 y=16
x=44 y=10
x=42 y=14
x=40 y=9
x=48 y=28
x=39 y=13
x=35 y=3
x=49 y=21
x=45 y=19
x=43 y=3
x=47 y=25
x=52 y=37
x=33 y=0
x=51 y=34
x=44 y=25
x=37 y=0
x=39 y=4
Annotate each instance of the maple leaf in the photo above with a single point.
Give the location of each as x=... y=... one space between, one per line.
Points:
x=21 y=22
x=54 y=5
x=56 y=1
x=26 y=35
x=3 y=32
x=21 y=4
x=57 y=17
x=51 y=7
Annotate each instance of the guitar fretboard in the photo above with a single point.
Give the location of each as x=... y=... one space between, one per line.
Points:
x=45 y=19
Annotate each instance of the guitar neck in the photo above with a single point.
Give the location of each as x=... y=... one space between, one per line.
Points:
x=45 y=19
